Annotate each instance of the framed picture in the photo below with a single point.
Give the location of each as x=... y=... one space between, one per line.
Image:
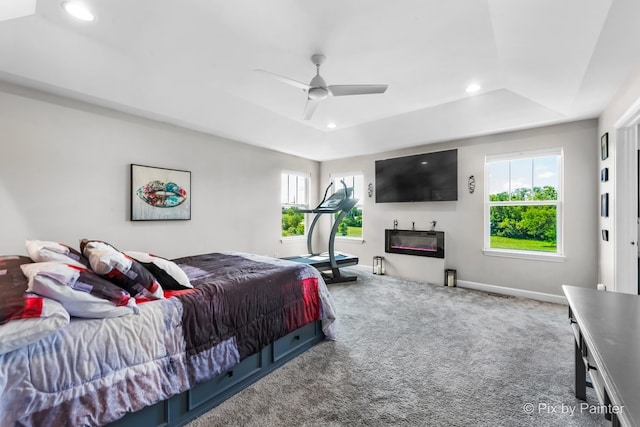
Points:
x=605 y=235
x=604 y=204
x=604 y=145
x=159 y=194
x=604 y=174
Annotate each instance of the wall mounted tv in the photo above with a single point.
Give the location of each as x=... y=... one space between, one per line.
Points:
x=420 y=178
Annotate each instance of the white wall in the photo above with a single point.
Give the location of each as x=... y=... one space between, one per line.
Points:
x=64 y=175
x=462 y=220
x=627 y=95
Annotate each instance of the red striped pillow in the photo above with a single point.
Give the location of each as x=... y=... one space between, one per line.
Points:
x=120 y=269
x=81 y=292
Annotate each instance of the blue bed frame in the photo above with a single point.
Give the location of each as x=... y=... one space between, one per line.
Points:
x=183 y=408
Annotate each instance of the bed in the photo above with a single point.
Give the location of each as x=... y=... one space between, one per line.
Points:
x=177 y=357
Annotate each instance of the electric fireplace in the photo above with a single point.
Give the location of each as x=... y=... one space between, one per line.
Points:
x=414 y=242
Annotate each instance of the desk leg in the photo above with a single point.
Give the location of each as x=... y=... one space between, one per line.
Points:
x=607 y=403
x=615 y=422
x=581 y=374
x=609 y=415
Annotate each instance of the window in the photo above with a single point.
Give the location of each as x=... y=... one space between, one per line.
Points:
x=523 y=203
x=294 y=196
x=351 y=225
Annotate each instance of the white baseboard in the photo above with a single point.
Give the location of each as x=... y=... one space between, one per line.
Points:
x=540 y=296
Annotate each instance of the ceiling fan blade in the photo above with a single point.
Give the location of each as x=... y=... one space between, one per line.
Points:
x=284 y=79
x=310 y=108
x=342 y=90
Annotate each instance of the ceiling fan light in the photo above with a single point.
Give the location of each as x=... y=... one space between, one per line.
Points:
x=472 y=88
x=318 y=93
x=78 y=10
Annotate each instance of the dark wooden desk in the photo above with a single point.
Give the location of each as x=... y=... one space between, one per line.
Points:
x=607 y=330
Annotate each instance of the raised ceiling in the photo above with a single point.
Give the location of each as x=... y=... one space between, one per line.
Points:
x=192 y=62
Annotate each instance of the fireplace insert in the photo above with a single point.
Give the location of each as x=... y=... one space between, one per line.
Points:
x=415 y=242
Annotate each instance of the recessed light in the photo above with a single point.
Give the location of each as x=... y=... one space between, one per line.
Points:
x=331 y=125
x=473 y=87
x=78 y=10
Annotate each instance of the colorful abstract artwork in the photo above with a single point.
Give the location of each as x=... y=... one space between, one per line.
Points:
x=160 y=194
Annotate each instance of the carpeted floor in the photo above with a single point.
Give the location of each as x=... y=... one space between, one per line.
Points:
x=414 y=354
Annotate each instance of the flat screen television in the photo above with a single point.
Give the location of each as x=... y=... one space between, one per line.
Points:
x=424 y=177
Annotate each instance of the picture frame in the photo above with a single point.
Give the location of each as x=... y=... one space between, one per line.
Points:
x=604 y=204
x=604 y=174
x=604 y=146
x=160 y=194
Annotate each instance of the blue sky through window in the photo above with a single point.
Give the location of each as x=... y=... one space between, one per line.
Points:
x=508 y=175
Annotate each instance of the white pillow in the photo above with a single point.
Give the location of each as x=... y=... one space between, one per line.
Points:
x=104 y=258
x=21 y=332
x=167 y=272
x=81 y=292
x=42 y=250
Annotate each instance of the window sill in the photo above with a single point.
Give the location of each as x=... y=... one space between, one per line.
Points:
x=293 y=239
x=350 y=239
x=536 y=256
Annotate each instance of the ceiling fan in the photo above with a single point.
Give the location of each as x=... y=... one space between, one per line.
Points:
x=318 y=90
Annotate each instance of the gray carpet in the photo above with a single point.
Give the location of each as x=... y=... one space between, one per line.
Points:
x=414 y=354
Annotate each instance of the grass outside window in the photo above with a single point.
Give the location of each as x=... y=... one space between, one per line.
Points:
x=498 y=242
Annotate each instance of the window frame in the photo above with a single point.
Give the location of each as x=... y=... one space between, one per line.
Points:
x=360 y=205
x=307 y=184
x=558 y=255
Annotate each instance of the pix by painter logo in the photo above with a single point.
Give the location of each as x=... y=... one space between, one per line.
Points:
x=564 y=409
